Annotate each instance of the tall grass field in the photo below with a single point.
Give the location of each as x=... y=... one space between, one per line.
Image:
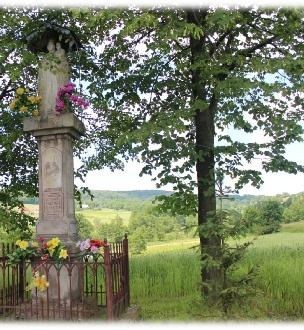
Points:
x=166 y=284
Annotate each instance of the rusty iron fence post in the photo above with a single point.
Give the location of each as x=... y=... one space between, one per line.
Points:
x=126 y=267
x=108 y=280
x=21 y=280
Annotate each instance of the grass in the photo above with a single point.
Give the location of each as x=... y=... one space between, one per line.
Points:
x=294 y=227
x=96 y=217
x=175 y=245
x=165 y=281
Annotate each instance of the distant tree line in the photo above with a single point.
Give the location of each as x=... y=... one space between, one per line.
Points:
x=260 y=216
x=144 y=226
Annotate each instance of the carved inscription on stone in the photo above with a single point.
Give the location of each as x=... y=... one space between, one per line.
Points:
x=52 y=168
x=52 y=204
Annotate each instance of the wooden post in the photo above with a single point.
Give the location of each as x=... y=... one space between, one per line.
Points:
x=108 y=280
x=126 y=267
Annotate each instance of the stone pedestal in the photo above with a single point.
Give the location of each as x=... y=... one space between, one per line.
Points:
x=56 y=174
x=55 y=136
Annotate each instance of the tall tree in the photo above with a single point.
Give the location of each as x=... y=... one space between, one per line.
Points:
x=166 y=86
x=175 y=81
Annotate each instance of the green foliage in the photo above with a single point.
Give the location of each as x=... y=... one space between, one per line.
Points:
x=137 y=241
x=84 y=227
x=113 y=231
x=265 y=217
x=222 y=260
x=122 y=200
x=157 y=227
x=15 y=222
x=295 y=211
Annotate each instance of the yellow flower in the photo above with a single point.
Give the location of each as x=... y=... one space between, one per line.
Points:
x=13 y=105
x=51 y=251
x=63 y=254
x=32 y=99
x=40 y=282
x=23 y=109
x=22 y=244
x=20 y=91
x=34 y=244
x=53 y=243
x=35 y=113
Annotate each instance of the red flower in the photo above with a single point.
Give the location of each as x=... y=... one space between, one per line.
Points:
x=40 y=238
x=97 y=243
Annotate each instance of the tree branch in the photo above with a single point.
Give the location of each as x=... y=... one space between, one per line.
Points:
x=219 y=41
x=6 y=90
x=249 y=51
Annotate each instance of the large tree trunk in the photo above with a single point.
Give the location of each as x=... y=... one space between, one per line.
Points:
x=204 y=124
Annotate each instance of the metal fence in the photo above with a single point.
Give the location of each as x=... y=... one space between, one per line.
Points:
x=78 y=289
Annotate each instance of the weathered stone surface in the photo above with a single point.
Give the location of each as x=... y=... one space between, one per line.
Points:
x=56 y=124
x=56 y=187
x=52 y=204
x=54 y=72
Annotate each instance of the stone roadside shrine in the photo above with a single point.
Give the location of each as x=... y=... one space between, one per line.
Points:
x=55 y=134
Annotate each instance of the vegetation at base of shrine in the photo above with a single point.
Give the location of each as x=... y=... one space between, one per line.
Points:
x=166 y=86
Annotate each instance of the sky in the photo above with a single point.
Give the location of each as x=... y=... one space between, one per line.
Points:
x=274 y=183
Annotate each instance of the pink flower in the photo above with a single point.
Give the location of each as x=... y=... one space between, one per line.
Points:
x=59 y=105
x=94 y=249
x=65 y=94
x=84 y=245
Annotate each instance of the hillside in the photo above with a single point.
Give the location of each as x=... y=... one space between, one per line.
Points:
x=138 y=199
x=131 y=194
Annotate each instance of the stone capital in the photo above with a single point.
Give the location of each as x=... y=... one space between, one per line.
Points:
x=66 y=123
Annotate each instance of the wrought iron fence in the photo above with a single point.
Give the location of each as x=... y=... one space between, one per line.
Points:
x=78 y=289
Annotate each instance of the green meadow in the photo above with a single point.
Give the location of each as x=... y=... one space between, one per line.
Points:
x=96 y=217
x=165 y=280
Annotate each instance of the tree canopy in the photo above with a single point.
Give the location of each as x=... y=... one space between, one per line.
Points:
x=165 y=86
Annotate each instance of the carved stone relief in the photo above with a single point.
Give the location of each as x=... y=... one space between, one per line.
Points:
x=52 y=168
x=53 y=74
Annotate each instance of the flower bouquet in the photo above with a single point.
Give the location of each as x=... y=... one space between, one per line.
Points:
x=27 y=250
x=25 y=102
x=66 y=98
x=44 y=250
x=91 y=248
